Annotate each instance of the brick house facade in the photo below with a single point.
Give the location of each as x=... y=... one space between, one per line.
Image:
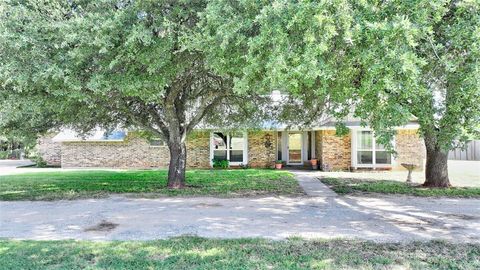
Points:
x=258 y=149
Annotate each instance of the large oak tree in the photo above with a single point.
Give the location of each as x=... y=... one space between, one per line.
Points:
x=420 y=58
x=387 y=62
x=85 y=64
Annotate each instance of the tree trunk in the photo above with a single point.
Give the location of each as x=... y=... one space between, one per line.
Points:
x=177 y=166
x=436 y=171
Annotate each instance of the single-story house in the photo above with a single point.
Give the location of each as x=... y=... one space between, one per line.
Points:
x=255 y=148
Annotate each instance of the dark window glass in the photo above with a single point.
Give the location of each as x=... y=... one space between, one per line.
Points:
x=220 y=155
x=309 y=138
x=157 y=142
x=382 y=157
x=236 y=155
x=365 y=157
x=279 y=146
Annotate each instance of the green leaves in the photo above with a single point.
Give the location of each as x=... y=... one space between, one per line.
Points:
x=384 y=61
x=410 y=60
x=102 y=63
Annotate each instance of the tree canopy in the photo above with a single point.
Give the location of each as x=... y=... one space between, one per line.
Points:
x=300 y=48
x=385 y=62
x=86 y=64
x=167 y=65
x=421 y=59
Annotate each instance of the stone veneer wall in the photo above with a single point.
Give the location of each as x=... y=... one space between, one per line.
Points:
x=262 y=149
x=49 y=150
x=133 y=152
x=410 y=148
x=333 y=150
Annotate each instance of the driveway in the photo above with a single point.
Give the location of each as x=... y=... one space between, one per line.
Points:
x=393 y=218
x=10 y=166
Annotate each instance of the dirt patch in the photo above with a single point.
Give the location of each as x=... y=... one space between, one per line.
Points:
x=103 y=226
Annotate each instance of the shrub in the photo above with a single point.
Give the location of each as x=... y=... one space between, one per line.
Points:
x=40 y=162
x=220 y=163
x=3 y=154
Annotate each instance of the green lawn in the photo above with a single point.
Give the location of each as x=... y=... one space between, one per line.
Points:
x=359 y=186
x=200 y=253
x=93 y=184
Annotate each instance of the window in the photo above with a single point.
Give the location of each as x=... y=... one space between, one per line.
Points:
x=116 y=135
x=157 y=142
x=369 y=153
x=279 y=145
x=309 y=146
x=231 y=146
x=236 y=147
x=220 y=146
x=364 y=148
x=381 y=155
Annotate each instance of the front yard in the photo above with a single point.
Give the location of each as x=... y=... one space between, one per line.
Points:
x=93 y=184
x=201 y=253
x=361 y=186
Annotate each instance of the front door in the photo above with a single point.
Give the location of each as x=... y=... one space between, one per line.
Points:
x=295 y=148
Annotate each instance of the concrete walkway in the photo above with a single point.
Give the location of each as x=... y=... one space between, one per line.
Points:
x=308 y=180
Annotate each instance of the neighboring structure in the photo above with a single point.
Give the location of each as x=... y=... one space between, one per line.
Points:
x=356 y=150
x=470 y=152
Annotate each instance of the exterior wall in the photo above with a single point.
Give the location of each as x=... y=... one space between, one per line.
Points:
x=49 y=150
x=262 y=149
x=332 y=150
x=133 y=152
x=198 y=150
x=136 y=152
x=410 y=148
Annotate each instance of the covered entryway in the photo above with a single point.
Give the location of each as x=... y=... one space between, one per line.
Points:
x=295 y=148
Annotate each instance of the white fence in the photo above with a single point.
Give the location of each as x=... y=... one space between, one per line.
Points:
x=471 y=152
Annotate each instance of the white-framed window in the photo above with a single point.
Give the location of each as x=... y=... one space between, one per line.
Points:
x=157 y=142
x=229 y=146
x=367 y=152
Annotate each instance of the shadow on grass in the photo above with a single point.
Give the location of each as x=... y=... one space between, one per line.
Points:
x=83 y=184
x=360 y=186
x=201 y=253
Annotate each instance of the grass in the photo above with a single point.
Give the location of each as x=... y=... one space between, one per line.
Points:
x=358 y=186
x=201 y=253
x=94 y=184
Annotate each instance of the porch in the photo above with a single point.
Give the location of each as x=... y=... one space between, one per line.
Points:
x=296 y=148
